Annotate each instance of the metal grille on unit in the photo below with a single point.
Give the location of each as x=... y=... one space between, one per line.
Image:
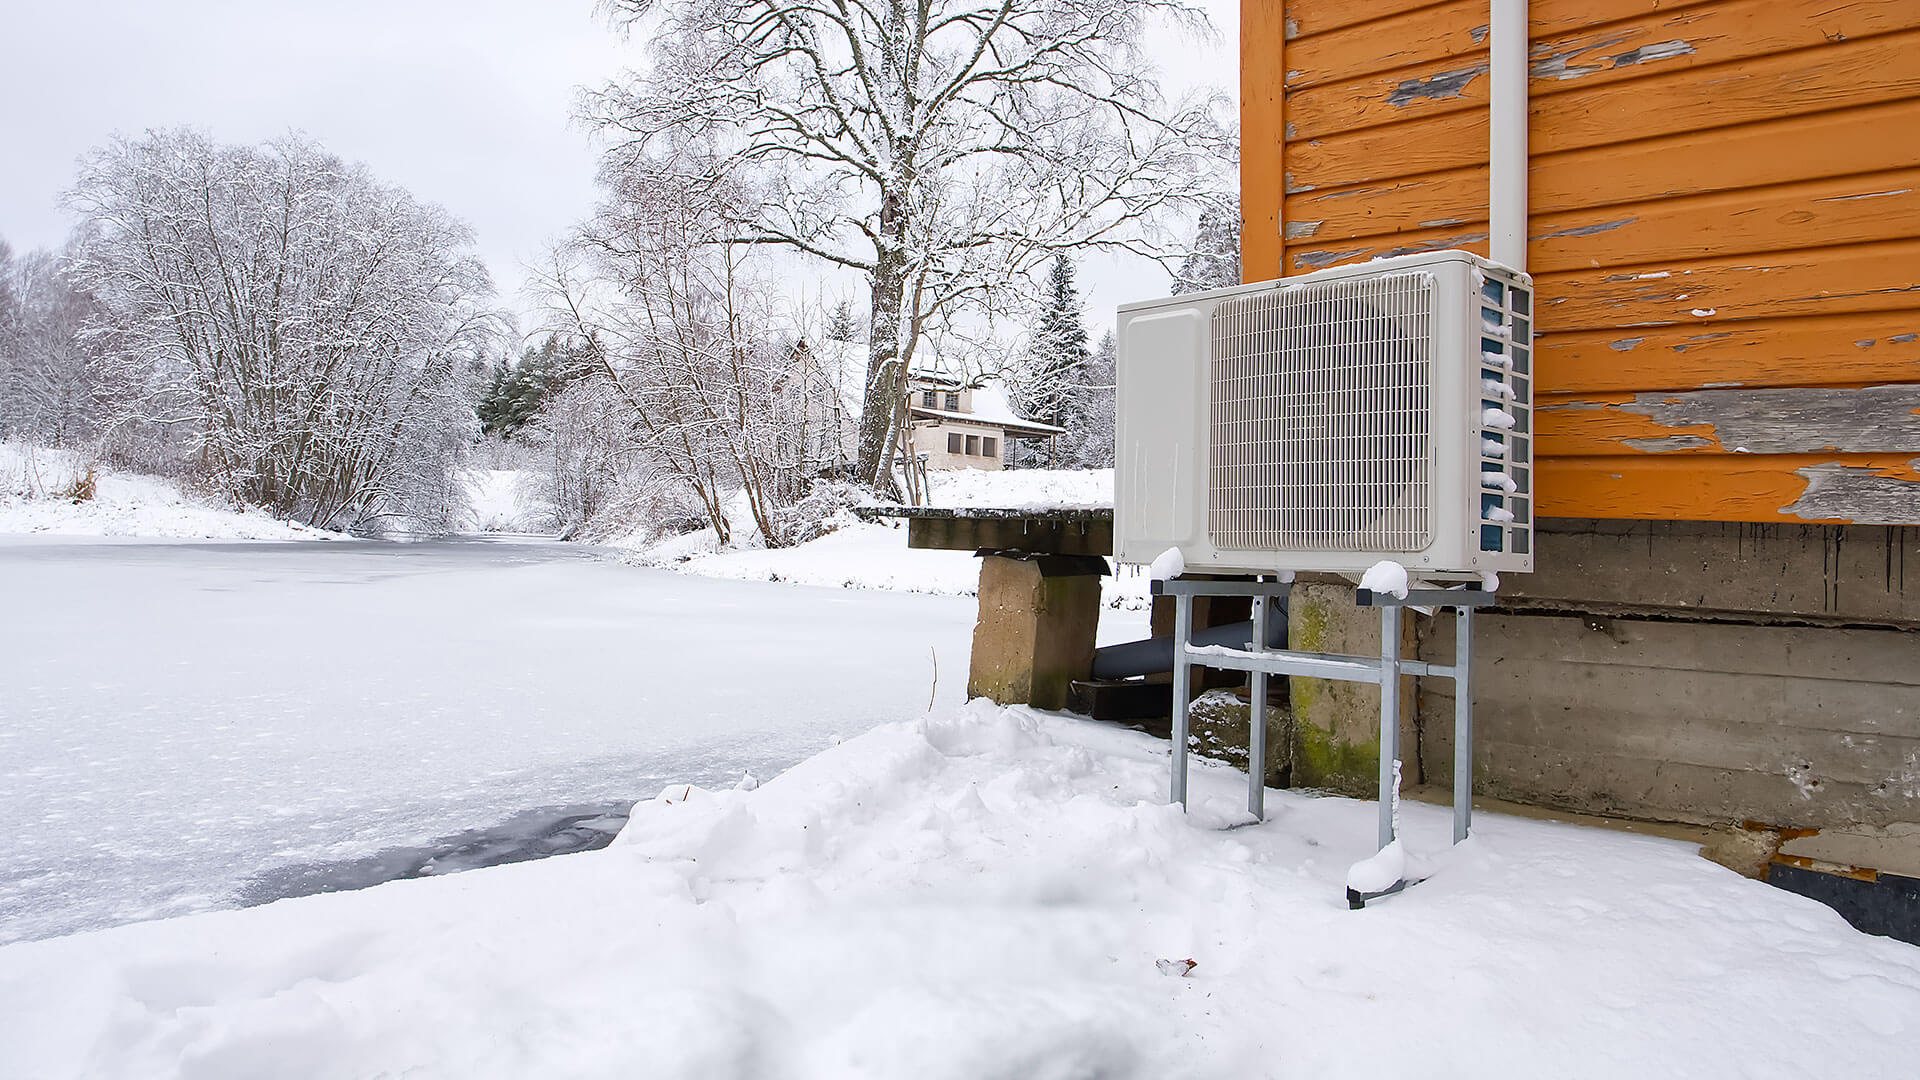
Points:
x=1320 y=417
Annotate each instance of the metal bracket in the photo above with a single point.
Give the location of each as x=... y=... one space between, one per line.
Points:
x=1383 y=671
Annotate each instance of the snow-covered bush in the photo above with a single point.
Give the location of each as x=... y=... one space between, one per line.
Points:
x=823 y=510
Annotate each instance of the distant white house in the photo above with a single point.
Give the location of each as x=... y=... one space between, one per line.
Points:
x=965 y=424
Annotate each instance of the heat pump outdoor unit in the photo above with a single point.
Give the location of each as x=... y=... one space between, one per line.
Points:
x=1330 y=421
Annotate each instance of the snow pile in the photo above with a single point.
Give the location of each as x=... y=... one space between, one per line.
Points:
x=1378 y=871
x=1167 y=565
x=989 y=893
x=37 y=489
x=1023 y=489
x=1386 y=576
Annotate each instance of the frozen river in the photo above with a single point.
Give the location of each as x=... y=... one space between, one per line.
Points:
x=189 y=726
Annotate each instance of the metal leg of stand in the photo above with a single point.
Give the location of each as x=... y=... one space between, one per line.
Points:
x=1462 y=723
x=1257 y=721
x=1182 y=675
x=1389 y=715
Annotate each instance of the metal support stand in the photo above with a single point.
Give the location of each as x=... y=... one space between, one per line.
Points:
x=1385 y=672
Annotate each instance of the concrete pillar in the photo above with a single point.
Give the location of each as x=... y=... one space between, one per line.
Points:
x=1038 y=619
x=1336 y=725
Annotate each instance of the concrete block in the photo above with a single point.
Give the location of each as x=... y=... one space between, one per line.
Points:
x=1792 y=727
x=1336 y=725
x=1035 y=634
x=1856 y=573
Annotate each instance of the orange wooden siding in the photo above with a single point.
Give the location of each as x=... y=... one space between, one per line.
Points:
x=1724 y=227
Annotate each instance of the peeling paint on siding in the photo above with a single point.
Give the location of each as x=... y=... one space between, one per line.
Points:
x=1902 y=339
x=1446 y=84
x=1318 y=259
x=1866 y=195
x=1443 y=223
x=1873 y=419
x=1670 y=443
x=1479 y=34
x=1561 y=65
x=1856 y=494
x=1435 y=245
x=1303 y=230
x=1664 y=50
x=1625 y=344
x=1587 y=230
x=1294 y=188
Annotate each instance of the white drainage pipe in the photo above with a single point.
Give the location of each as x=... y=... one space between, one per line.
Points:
x=1507 y=189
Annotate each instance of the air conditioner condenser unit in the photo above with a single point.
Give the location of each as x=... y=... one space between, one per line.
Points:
x=1330 y=421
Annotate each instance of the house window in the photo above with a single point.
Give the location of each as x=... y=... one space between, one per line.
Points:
x=953 y=402
x=928 y=399
x=973 y=444
x=990 y=446
x=954 y=444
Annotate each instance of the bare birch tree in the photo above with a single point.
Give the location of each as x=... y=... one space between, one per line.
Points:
x=306 y=323
x=675 y=325
x=940 y=148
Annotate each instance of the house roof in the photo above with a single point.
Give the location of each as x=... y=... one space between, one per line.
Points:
x=991 y=407
x=1025 y=429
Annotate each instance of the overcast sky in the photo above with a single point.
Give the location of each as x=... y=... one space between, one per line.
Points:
x=467 y=103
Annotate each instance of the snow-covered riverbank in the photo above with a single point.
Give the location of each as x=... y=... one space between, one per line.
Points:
x=178 y=719
x=61 y=493
x=989 y=893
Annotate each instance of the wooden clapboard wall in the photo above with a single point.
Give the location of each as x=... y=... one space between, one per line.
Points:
x=1724 y=227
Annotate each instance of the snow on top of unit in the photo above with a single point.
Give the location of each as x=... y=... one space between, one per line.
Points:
x=1022 y=489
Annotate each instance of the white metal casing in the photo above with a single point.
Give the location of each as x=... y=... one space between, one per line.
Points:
x=1329 y=421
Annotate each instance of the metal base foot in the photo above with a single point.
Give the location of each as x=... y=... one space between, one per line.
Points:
x=1357 y=899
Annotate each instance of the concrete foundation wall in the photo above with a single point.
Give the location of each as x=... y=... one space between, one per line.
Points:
x=1701 y=673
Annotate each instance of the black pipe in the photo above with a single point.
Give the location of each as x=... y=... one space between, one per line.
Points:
x=1154 y=655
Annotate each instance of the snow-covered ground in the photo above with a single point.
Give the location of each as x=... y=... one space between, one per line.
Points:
x=874 y=555
x=992 y=893
x=1022 y=489
x=36 y=496
x=178 y=721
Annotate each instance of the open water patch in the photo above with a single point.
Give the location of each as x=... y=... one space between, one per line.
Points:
x=530 y=834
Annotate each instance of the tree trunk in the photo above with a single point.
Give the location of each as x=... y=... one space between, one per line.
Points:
x=887 y=289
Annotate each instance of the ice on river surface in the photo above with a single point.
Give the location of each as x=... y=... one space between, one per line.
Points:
x=182 y=722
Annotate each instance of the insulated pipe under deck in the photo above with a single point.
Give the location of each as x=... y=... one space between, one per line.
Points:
x=1154 y=656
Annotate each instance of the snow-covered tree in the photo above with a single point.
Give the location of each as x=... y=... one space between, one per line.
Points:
x=1091 y=439
x=719 y=398
x=842 y=327
x=308 y=324
x=516 y=392
x=1048 y=383
x=941 y=149
x=53 y=388
x=1214 y=260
